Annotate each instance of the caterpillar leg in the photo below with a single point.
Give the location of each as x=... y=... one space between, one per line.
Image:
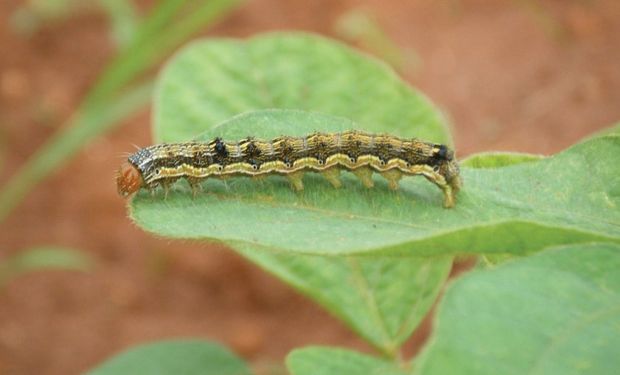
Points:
x=166 y=186
x=295 y=178
x=333 y=176
x=392 y=176
x=448 y=192
x=195 y=185
x=365 y=175
x=448 y=196
x=150 y=188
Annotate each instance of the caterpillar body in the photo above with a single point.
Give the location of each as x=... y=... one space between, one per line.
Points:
x=327 y=153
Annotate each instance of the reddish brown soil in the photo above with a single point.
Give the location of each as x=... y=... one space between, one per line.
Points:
x=508 y=76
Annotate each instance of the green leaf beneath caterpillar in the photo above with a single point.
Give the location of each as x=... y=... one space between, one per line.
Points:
x=211 y=81
x=384 y=299
x=571 y=197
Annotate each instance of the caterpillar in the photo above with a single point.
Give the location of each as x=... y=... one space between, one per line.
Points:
x=327 y=153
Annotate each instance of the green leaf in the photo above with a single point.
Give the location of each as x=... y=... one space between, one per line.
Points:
x=498 y=159
x=210 y=81
x=43 y=258
x=557 y=312
x=569 y=198
x=334 y=361
x=187 y=357
x=383 y=299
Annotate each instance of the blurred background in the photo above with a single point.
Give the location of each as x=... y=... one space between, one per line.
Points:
x=516 y=75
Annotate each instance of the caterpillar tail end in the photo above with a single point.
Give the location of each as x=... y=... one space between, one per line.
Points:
x=448 y=197
x=449 y=190
x=128 y=180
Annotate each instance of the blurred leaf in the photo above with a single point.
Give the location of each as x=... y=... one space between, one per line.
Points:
x=116 y=95
x=334 y=361
x=498 y=159
x=186 y=357
x=557 y=312
x=383 y=299
x=158 y=35
x=43 y=258
x=361 y=27
x=516 y=209
x=123 y=18
x=210 y=81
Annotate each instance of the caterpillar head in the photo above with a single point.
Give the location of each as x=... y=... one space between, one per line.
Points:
x=448 y=166
x=452 y=174
x=128 y=180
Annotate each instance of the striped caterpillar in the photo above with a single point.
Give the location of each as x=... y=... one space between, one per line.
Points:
x=327 y=153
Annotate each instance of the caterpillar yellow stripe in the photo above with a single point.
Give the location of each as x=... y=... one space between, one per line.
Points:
x=327 y=153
